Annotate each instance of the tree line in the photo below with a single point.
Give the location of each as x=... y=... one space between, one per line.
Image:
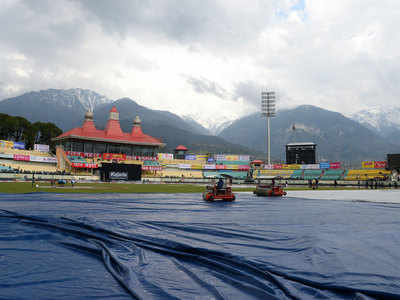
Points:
x=19 y=129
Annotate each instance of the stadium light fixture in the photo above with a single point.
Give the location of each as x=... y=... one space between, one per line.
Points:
x=268 y=100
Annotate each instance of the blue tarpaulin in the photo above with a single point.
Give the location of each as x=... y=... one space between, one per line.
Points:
x=179 y=247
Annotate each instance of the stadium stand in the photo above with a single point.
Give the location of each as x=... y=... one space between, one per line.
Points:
x=312 y=174
x=24 y=152
x=231 y=162
x=29 y=167
x=272 y=173
x=365 y=174
x=297 y=174
x=218 y=174
x=332 y=174
x=6 y=169
x=178 y=173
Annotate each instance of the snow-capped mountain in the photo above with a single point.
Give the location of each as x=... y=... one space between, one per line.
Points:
x=383 y=120
x=87 y=98
x=219 y=127
x=213 y=125
x=65 y=108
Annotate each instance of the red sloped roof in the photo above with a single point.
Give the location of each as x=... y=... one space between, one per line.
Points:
x=102 y=135
x=257 y=161
x=112 y=133
x=181 y=147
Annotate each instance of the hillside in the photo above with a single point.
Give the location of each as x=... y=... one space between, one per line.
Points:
x=338 y=138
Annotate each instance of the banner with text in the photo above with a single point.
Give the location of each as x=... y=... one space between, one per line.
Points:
x=6 y=144
x=151 y=168
x=21 y=157
x=324 y=165
x=367 y=164
x=380 y=164
x=114 y=156
x=244 y=157
x=310 y=167
x=209 y=167
x=44 y=159
x=6 y=155
x=41 y=148
x=268 y=167
x=335 y=165
x=243 y=167
x=84 y=165
x=165 y=156
x=184 y=166
x=19 y=145
x=82 y=154
x=190 y=157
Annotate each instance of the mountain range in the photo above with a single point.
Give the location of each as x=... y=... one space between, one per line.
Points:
x=383 y=120
x=362 y=136
x=338 y=138
x=66 y=109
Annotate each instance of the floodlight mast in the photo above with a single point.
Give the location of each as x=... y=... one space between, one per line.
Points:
x=268 y=110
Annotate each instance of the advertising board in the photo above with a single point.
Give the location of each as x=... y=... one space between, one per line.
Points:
x=190 y=157
x=21 y=157
x=165 y=156
x=44 y=159
x=151 y=168
x=41 y=148
x=244 y=157
x=118 y=175
x=367 y=164
x=84 y=165
x=324 y=165
x=335 y=165
x=6 y=155
x=184 y=166
x=310 y=167
x=19 y=145
x=380 y=164
x=209 y=167
x=219 y=157
x=114 y=156
x=6 y=144
x=243 y=167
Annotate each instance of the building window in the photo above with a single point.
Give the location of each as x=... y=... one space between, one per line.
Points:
x=99 y=148
x=114 y=148
x=126 y=149
x=77 y=146
x=88 y=147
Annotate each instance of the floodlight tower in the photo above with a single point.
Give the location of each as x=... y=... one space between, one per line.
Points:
x=268 y=110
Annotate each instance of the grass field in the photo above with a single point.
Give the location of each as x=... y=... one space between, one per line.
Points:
x=45 y=187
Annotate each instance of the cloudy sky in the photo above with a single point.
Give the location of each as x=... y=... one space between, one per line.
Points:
x=206 y=59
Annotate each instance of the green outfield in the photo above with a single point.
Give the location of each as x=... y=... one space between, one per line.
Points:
x=45 y=187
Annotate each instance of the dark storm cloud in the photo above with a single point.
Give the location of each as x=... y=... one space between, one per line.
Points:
x=204 y=22
x=205 y=86
x=40 y=29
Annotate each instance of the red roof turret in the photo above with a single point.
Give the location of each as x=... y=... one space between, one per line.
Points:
x=257 y=162
x=181 y=148
x=113 y=128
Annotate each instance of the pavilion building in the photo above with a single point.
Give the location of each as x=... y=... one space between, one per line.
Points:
x=111 y=140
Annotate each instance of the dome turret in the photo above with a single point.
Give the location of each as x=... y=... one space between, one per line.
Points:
x=89 y=115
